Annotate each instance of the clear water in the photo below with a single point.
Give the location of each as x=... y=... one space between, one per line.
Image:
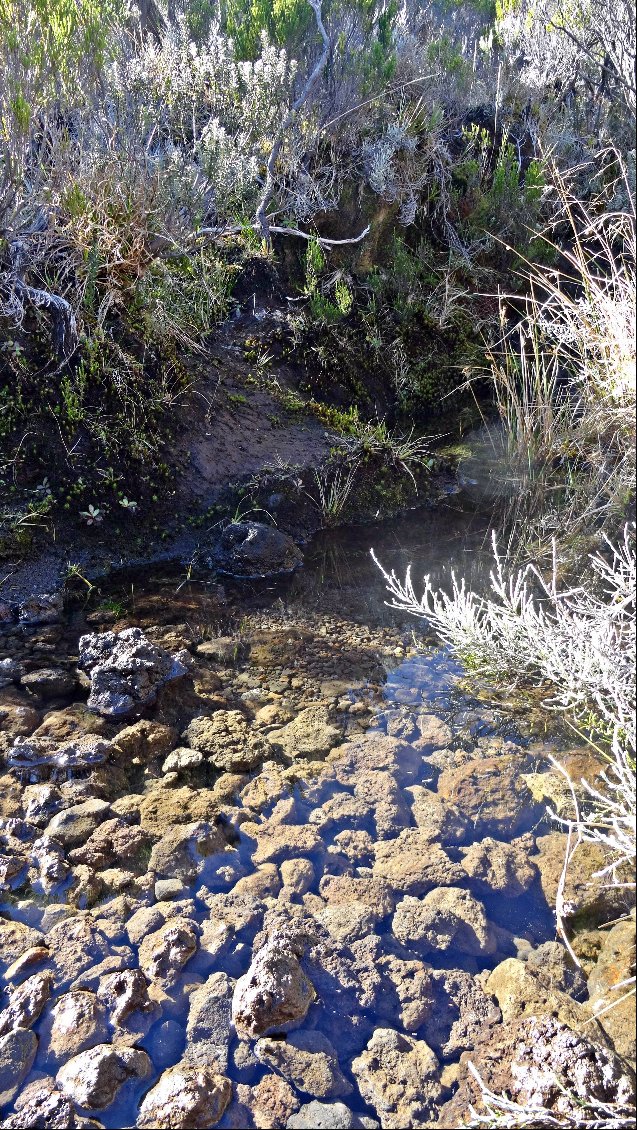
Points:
x=340 y=580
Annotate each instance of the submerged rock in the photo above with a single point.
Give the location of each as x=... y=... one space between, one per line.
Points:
x=308 y=1061
x=185 y=1096
x=126 y=670
x=17 y=1052
x=329 y=1116
x=491 y=795
x=93 y=1078
x=274 y=995
x=254 y=550
x=26 y=1003
x=446 y=918
x=398 y=1076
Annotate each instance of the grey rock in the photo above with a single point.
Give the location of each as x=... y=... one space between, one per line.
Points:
x=36 y=758
x=126 y=671
x=182 y=852
x=461 y=1015
x=123 y=994
x=208 y=1031
x=329 y=1116
x=17 y=1052
x=182 y=760
x=47 y=608
x=555 y=967
x=11 y=671
x=542 y=1062
x=74 y=825
x=169 y=889
x=75 y=945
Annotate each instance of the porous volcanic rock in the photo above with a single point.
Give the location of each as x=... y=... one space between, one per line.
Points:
x=492 y=795
x=312 y=734
x=399 y=1077
x=185 y=1097
x=126 y=670
x=275 y=994
x=93 y=1078
x=446 y=918
x=308 y=1061
x=540 y=1061
x=228 y=741
x=17 y=1052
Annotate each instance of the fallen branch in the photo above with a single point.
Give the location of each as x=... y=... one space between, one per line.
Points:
x=273 y=229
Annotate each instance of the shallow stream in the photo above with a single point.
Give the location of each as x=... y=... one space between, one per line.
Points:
x=385 y=837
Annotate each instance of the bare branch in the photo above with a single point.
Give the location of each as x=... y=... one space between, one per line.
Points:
x=270 y=182
x=273 y=229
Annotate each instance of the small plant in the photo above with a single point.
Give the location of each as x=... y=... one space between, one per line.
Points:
x=129 y=505
x=334 y=489
x=92 y=516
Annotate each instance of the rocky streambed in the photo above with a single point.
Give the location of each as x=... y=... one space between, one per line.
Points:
x=276 y=869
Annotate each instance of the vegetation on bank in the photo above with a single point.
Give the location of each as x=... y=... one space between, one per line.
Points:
x=388 y=166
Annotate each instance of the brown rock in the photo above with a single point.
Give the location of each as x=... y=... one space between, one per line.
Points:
x=274 y=995
x=273 y=1102
x=145 y=741
x=609 y=987
x=308 y=1061
x=543 y=1063
x=93 y=1078
x=413 y=865
x=520 y=992
x=276 y=842
x=164 y=807
x=228 y=741
x=76 y=1022
x=398 y=1076
x=586 y=899
x=491 y=794
x=445 y=918
x=503 y=868
x=163 y=954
